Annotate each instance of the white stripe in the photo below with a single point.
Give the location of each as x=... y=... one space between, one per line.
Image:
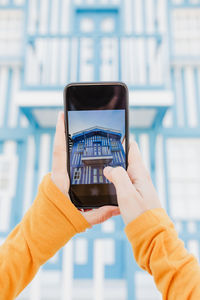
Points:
x=54 y=17
x=24 y=121
x=19 y=2
x=65 y=16
x=137 y=14
x=29 y=174
x=44 y=155
x=63 y=61
x=13 y=113
x=33 y=72
x=98 y=291
x=161 y=15
x=141 y=62
x=190 y=96
x=32 y=16
x=5 y=209
x=74 y=54
x=44 y=50
x=127 y=16
x=132 y=58
x=54 y=61
x=179 y=97
x=149 y=16
x=67 y=272
x=3 y=88
x=10 y=147
x=123 y=60
x=193 y=247
x=144 y=143
x=115 y=64
x=152 y=61
x=43 y=15
x=160 y=180
x=35 y=287
x=89 y=174
x=81 y=251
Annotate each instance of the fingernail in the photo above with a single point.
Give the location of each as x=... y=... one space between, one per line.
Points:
x=107 y=170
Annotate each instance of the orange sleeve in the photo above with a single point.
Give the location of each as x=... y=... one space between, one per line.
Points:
x=159 y=251
x=46 y=227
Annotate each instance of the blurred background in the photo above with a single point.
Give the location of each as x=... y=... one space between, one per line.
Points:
x=151 y=45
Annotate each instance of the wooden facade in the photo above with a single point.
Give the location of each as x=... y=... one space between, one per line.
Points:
x=92 y=150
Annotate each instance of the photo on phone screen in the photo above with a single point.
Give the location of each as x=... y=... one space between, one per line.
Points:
x=96 y=123
x=97 y=141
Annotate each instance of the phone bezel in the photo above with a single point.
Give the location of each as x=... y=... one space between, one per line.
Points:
x=90 y=186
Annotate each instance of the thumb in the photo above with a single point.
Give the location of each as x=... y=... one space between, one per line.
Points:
x=119 y=177
x=127 y=194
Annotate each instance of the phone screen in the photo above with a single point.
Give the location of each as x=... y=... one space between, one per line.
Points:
x=97 y=136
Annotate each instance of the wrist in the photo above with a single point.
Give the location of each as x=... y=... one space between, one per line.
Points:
x=60 y=183
x=62 y=200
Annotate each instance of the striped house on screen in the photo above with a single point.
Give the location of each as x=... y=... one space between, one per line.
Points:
x=92 y=150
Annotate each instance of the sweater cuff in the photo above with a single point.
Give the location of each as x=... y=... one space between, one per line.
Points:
x=64 y=204
x=147 y=220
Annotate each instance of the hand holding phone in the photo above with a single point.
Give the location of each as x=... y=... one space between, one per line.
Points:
x=135 y=190
x=96 y=121
x=60 y=176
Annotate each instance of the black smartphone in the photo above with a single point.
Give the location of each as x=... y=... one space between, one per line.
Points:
x=96 y=124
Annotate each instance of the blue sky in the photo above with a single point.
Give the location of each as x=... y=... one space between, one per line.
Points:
x=114 y=119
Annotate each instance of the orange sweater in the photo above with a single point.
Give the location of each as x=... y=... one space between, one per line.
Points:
x=159 y=251
x=46 y=227
x=52 y=220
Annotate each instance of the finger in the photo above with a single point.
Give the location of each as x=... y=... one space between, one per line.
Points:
x=137 y=170
x=59 y=141
x=123 y=144
x=101 y=214
x=59 y=149
x=134 y=154
x=119 y=177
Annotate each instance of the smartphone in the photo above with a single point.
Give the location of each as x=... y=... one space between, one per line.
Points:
x=97 y=135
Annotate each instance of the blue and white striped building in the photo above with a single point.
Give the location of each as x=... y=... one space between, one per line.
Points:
x=151 y=45
x=92 y=150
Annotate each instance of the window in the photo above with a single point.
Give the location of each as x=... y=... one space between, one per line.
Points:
x=80 y=146
x=99 y=149
x=77 y=175
x=95 y=175
x=185 y=31
x=114 y=143
x=10 y=32
x=108 y=25
x=87 y=25
x=104 y=150
x=184 y=177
